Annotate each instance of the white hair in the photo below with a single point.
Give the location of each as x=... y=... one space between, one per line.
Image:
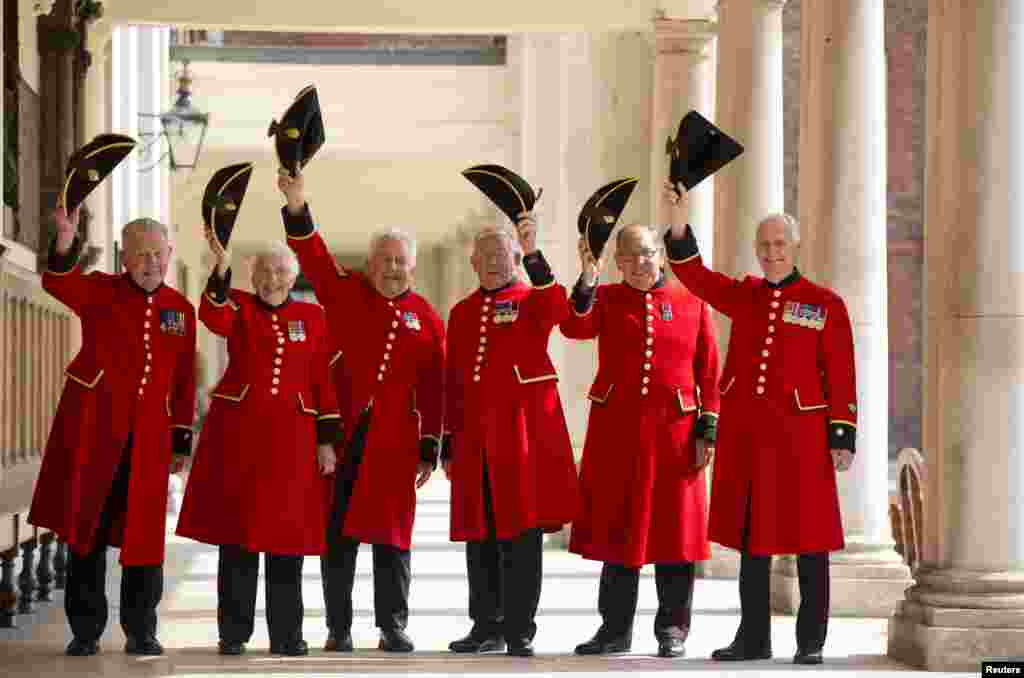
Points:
x=141 y=225
x=275 y=249
x=642 y=228
x=789 y=224
x=497 y=232
x=393 y=234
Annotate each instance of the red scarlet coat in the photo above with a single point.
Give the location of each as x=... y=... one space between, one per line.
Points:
x=642 y=500
x=788 y=395
x=135 y=374
x=389 y=352
x=255 y=482
x=503 y=405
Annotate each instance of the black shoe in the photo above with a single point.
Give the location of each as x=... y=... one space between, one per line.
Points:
x=811 y=657
x=230 y=648
x=738 y=651
x=671 y=647
x=519 y=647
x=149 y=646
x=296 y=648
x=605 y=643
x=477 y=644
x=340 y=643
x=82 y=648
x=395 y=640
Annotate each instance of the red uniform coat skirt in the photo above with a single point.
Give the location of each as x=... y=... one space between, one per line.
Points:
x=134 y=374
x=504 y=407
x=789 y=374
x=388 y=353
x=255 y=482
x=643 y=501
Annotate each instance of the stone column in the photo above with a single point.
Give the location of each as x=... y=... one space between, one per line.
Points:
x=749 y=108
x=848 y=161
x=560 y=153
x=968 y=603
x=95 y=120
x=683 y=81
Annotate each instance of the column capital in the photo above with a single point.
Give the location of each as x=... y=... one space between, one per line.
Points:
x=684 y=36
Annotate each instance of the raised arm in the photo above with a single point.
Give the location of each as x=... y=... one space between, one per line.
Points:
x=62 y=277
x=583 y=321
x=216 y=309
x=314 y=258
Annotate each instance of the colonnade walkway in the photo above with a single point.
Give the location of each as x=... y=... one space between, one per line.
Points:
x=438 y=599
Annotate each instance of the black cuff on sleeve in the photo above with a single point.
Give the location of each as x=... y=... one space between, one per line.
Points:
x=181 y=441
x=683 y=248
x=706 y=428
x=428 y=451
x=583 y=296
x=62 y=264
x=446 y=448
x=538 y=270
x=218 y=287
x=842 y=437
x=328 y=432
x=297 y=225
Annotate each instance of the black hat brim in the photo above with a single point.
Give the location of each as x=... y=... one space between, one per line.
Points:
x=507 y=190
x=222 y=199
x=90 y=165
x=300 y=133
x=601 y=213
x=699 y=150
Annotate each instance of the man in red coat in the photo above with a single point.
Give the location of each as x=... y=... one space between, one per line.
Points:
x=508 y=453
x=128 y=402
x=789 y=415
x=651 y=433
x=388 y=368
x=272 y=423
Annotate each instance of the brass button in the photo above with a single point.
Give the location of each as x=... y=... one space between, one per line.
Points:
x=394 y=324
x=777 y=293
x=764 y=353
x=775 y=304
x=760 y=390
x=273 y=316
x=771 y=316
x=643 y=391
x=273 y=391
x=275 y=381
x=380 y=377
x=771 y=329
x=391 y=336
x=476 y=377
x=647 y=380
x=764 y=366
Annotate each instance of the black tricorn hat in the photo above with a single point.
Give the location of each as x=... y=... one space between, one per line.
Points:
x=90 y=165
x=300 y=134
x=699 y=150
x=223 y=199
x=601 y=212
x=506 y=189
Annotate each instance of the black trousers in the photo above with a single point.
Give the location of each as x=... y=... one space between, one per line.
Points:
x=617 y=598
x=391 y=566
x=755 y=603
x=85 y=596
x=504 y=579
x=237 y=579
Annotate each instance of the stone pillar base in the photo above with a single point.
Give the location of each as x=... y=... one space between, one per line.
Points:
x=863 y=584
x=948 y=639
x=955 y=618
x=723 y=564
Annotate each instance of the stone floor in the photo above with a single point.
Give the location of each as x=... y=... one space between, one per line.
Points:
x=188 y=624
